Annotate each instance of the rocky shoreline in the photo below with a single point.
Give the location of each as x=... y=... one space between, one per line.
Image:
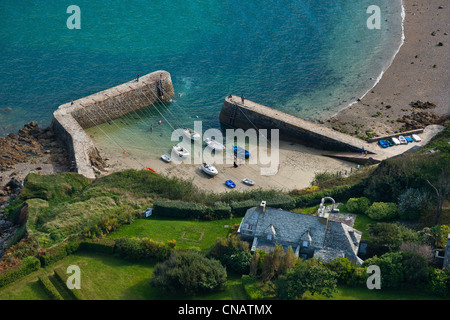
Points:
x=32 y=149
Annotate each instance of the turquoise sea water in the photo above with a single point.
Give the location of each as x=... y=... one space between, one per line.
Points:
x=306 y=57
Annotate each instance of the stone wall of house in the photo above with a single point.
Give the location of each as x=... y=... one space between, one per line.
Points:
x=70 y=119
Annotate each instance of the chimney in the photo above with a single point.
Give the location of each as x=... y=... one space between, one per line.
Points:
x=262 y=206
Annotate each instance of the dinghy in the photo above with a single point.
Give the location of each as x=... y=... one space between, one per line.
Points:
x=249 y=182
x=213 y=144
x=150 y=169
x=165 y=158
x=402 y=140
x=180 y=151
x=191 y=134
x=230 y=184
x=209 y=169
x=416 y=138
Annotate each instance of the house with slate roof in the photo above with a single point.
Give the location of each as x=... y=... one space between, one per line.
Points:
x=327 y=235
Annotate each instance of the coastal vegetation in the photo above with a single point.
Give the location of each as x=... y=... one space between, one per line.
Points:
x=65 y=217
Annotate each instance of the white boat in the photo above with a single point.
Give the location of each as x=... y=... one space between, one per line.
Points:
x=180 y=151
x=191 y=134
x=209 y=169
x=396 y=141
x=166 y=158
x=402 y=140
x=416 y=138
x=248 y=181
x=213 y=144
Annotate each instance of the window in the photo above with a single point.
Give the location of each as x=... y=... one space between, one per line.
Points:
x=269 y=237
x=305 y=244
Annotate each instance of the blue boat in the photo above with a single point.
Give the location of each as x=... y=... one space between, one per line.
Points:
x=230 y=184
x=241 y=152
x=383 y=144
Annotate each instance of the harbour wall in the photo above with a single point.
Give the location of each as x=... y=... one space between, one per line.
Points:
x=252 y=115
x=70 y=119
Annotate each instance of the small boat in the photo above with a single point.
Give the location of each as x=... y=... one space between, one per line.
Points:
x=248 y=181
x=416 y=138
x=230 y=184
x=396 y=141
x=409 y=139
x=241 y=152
x=180 y=151
x=209 y=169
x=166 y=158
x=402 y=140
x=383 y=144
x=150 y=169
x=213 y=144
x=191 y=134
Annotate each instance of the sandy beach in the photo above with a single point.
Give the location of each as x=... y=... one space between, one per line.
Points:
x=298 y=165
x=419 y=72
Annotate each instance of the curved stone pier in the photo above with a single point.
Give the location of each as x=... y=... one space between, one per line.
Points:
x=70 y=119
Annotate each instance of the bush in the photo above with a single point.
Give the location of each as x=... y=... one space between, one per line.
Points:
x=189 y=272
x=51 y=256
x=27 y=266
x=98 y=245
x=401 y=270
x=143 y=249
x=50 y=288
x=413 y=203
x=358 y=205
x=239 y=208
x=181 y=209
x=74 y=293
x=439 y=284
x=221 y=210
x=382 y=211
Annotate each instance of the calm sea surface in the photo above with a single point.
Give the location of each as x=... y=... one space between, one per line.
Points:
x=305 y=57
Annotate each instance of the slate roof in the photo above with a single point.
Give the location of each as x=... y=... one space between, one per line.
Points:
x=329 y=238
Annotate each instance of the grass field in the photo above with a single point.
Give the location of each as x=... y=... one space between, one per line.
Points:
x=105 y=277
x=200 y=234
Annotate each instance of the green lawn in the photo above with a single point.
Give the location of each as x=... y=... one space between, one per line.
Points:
x=349 y=293
x=105 y=277
x=200 y=234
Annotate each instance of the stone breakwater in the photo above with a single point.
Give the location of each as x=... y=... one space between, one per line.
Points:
x=70 y=119
x=252 y=115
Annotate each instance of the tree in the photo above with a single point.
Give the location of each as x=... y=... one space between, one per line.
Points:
x=189 y=272
x=441 y=194
x=271 y=263
x=315 y=279
x=288 y=261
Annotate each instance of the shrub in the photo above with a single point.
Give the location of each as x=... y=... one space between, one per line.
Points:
x=401 y=270
x=27 y=266
x=98 y=245
x=49 y=257
x=221 y=210
x=239 y=208
x=189 y=272
x=50 y=288
x=413 y=203
x=382 y=211
x=74 y=293
x=143 y=249
x=180 y=209
x=439 y=283
x=358 y=205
